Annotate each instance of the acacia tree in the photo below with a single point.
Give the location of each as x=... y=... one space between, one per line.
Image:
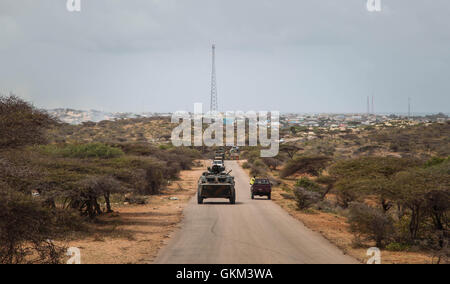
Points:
x=290 y=149
x=369 y=175
x=438 y=206
x=418 y=190
x=312 y=165
x=91 y=189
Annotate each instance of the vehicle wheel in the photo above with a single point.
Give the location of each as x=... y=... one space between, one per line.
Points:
x=269 y=196
x=199 y=200
x=253 y=196
x=233 y=199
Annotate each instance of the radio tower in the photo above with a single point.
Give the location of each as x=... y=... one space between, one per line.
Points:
x=373 y=107
x=214 y=105
x=368 y=106
x=409 y=108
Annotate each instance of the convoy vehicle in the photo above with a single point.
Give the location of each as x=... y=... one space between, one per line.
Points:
x=219 y=163
x=215 y=183
x=234 y=153
x=261 y=187
x=219 y=155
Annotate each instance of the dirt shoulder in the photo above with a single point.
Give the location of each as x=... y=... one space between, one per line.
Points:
x=335 y=228
x=133 y=234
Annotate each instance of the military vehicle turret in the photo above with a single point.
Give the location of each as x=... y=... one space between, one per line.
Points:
x=216 y=183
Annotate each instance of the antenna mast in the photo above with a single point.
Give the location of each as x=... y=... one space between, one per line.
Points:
x=373 y=107
x=368 y=106
x=214 y=104
x=409 y=108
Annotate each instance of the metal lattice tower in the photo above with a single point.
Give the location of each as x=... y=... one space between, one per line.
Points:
x=409 y=108
x=368 y=106
x=214 y=104
x=373 y=107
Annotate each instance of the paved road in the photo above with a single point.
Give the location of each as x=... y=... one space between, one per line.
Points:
x=251 y=231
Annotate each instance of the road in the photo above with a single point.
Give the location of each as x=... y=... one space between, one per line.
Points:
x=251 y=231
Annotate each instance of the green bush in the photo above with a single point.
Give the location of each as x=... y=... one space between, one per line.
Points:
x=397 y=247
x=259 y=164
x=82 y=151
x=436 y=161
x=246 y=165
x=251 y=155
x=165 y=146
x=308 y=184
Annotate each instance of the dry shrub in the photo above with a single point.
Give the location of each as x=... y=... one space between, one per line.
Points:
x=370 y=222
x=91 y=189
x=21 y=124
x=305 y=198
x=26 y=230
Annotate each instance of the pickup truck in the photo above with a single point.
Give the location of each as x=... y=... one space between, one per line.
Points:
x=261 y=187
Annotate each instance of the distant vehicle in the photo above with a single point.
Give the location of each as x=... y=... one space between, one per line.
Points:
x=219 y=163
x=219 y=155
x=234 y=153
x=215 y=183
x=261 y=187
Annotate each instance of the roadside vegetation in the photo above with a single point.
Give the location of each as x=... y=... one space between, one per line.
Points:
x=50 y=189
x=391 y=185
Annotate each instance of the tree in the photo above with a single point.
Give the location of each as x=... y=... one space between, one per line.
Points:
x=312 y=165
x=26 y=230
x=328 y=181
x=372 y=222
x=155 y=179
x=368 y=175
x=418 y=189
x=91 y=189
x=290 y=149
x=21 y=124
x=437 y=204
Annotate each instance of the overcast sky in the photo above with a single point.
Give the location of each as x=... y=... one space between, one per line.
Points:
x=286 y=55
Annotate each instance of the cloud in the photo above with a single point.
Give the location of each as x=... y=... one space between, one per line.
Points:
x=158 y=51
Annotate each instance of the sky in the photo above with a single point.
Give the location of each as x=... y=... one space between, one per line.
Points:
x=285 y=55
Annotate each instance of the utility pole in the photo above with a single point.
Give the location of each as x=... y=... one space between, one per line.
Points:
x=214 y=104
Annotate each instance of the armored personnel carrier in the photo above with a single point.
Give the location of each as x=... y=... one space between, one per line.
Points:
x=215 y=183
x=218 y=155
